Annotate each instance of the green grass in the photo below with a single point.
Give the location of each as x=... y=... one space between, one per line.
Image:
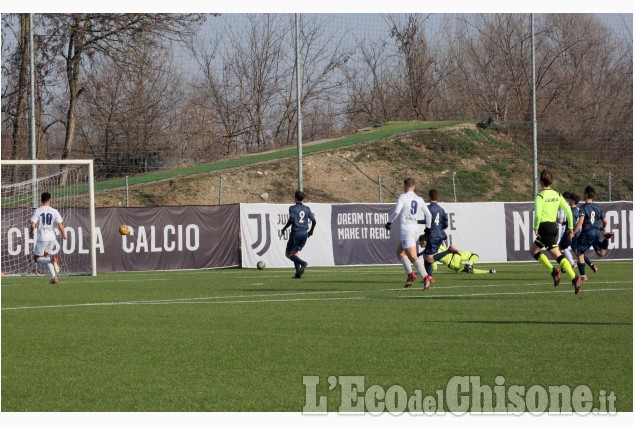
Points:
x=241 y=340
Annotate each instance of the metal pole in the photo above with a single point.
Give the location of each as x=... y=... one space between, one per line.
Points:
x=127 y=189
x=454 y=185
x=381 y=198
x=220 y=188
x=32 y=105
x=298 y=96
x=533 y=106
x=91 y=213
x=610 y=187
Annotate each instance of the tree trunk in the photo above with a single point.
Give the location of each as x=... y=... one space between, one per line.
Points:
x=73 y=62
x=20 y=109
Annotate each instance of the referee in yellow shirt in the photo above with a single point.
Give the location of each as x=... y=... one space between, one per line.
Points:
x=546 y=205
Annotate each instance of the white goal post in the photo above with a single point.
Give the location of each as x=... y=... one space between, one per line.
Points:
x=72 y=186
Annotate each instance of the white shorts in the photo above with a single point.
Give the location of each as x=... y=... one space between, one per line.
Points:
x=409 y=239
x=45 y=246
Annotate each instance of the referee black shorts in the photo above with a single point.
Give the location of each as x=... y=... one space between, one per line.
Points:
x=547 y=236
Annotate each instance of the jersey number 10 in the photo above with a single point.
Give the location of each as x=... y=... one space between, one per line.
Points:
x=46 y=218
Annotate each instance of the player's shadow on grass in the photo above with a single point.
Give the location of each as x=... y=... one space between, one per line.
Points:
x=294 y=289
x=529 y=322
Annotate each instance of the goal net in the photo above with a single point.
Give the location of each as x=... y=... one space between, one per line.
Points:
x=70 y=184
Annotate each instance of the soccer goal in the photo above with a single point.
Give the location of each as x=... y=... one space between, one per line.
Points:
x=71 y=184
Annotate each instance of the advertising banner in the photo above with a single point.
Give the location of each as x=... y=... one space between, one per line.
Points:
x=359 y=236
x=477 y=227
x=262 y=238
x=520 y=235
x=169 y=238
x=162 y=238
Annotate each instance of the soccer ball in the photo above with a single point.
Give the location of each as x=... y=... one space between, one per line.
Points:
x=124 y=230
x=260 y=265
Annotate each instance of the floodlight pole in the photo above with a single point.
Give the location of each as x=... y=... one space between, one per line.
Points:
x=32 y=107
x=533 y=107
x=298 y=97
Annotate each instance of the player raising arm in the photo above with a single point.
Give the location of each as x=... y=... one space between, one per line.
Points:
x=409 y=205
x=45 y=219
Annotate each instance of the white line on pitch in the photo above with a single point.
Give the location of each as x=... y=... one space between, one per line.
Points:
x=287 y=294
x=371 y=298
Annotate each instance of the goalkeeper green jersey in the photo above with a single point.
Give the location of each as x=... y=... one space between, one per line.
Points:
x=546 y=205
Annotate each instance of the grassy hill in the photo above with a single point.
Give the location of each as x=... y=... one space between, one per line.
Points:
x=463 y=162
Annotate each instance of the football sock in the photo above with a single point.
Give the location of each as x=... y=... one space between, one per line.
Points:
x=49 y=264
x=566 y=266
x=588 y=261
x=407 y=265
x=420 y=268
x=439 y=255
x=297 y=262
x=582 y=268
x=542 y=259
x=567 y=253
x=428 y=267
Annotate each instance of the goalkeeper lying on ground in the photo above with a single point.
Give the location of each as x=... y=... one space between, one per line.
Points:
x=455 y=261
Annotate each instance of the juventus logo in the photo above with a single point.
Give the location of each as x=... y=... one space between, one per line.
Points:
x=263 y=234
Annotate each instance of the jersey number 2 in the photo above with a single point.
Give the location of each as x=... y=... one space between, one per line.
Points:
x=301 y=217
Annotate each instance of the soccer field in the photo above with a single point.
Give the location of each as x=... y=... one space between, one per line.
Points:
x=242 y=340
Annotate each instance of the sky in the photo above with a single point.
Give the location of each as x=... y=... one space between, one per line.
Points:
x=334 y=6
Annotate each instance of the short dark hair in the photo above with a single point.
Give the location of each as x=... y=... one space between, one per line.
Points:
x=566 y=195
x=409 y=182
x=299 y=195
x=575 y=198
x=45 y=197
x=546 y=178
x=434 y=194
x=589 y=192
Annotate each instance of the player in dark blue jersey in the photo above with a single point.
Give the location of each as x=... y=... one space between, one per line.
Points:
x=565 y=242
x=566 y=245
x=299 y=217
x=591 y=225
x=436 y=233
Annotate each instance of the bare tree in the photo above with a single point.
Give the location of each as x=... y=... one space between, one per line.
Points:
x=82 y=36
x=491 y=58
x=14 y=94
x=413 y=46
x=371 y=90
x=129 y=111
x=248 y=82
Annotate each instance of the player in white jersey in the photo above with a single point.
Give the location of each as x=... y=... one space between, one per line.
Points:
x=410 y=206
x=45 y=219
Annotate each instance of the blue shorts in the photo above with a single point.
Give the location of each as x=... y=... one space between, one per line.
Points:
x=434 y=243
x=296 y=242
x=587 y=240
x=564 y=242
